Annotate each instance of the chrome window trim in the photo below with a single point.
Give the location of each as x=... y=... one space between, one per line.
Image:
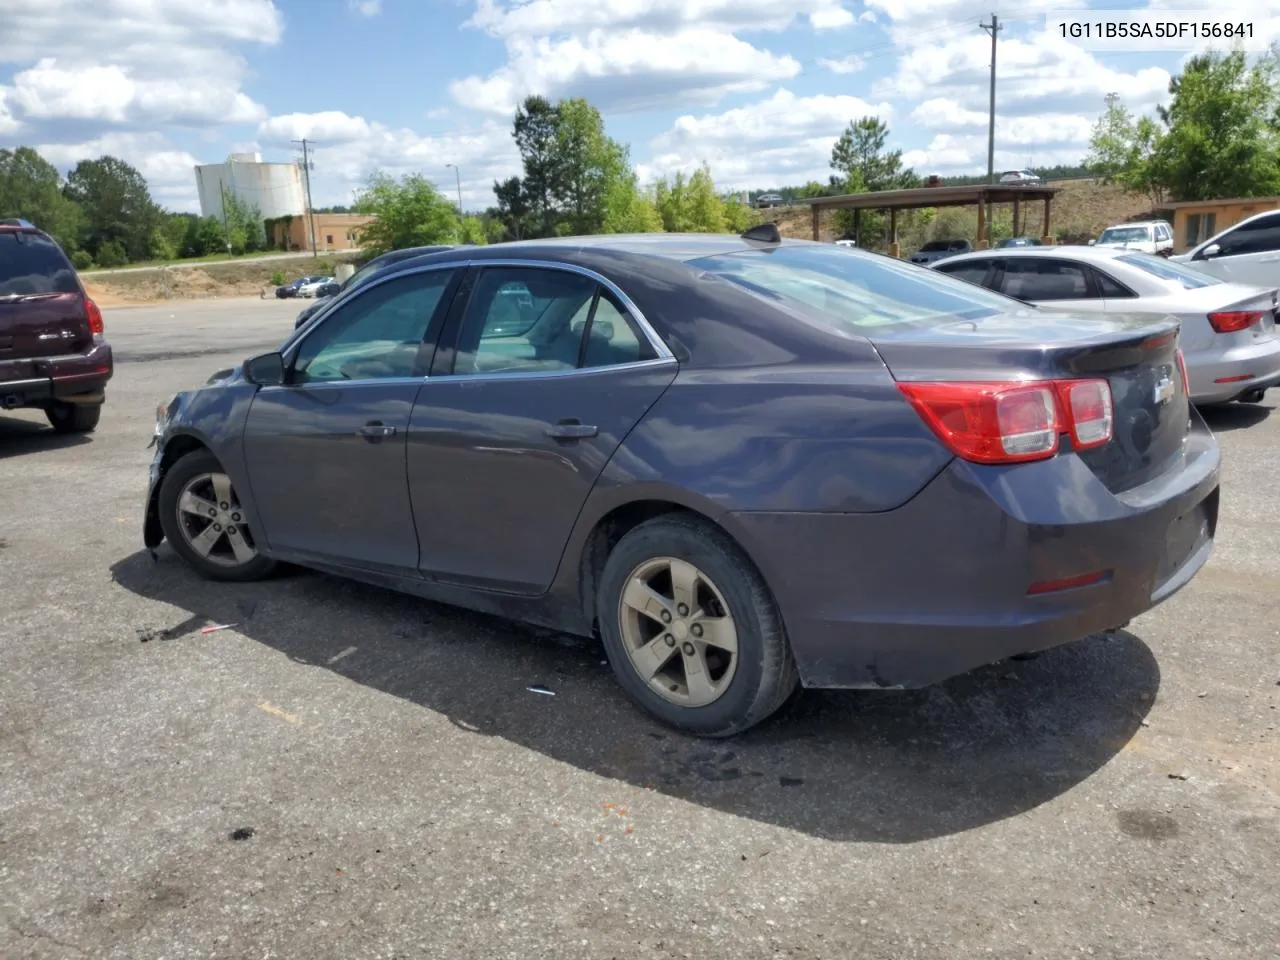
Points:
x=664 y=355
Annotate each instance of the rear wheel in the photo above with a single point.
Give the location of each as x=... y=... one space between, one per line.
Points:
x=691 y=630
x=203 y=520
x=73 y=417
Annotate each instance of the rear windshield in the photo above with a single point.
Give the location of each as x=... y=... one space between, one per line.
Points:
x=854 y=290
x=33 y=264
x=1125 y=235
x=1166 y=270
x=936 y=246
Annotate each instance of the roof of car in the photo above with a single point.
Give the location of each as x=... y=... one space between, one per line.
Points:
x=1137 y=223
x=1069 y=251
x=668 y=246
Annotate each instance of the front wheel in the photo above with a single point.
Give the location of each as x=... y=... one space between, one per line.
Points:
x=691 y=630
x=205 y=523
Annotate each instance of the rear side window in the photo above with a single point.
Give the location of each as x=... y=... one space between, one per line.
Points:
x=1109 y=288
x=32 y=264
x=1258 y=236
x=852 y=289
x=1038 y=278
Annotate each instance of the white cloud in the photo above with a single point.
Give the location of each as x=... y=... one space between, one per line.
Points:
x=366 y=8
x=782 y=139
x=546 y=18
x=626 y=70
x=170 y=173
x=850 y=64
x=951 y=154
x=348 y=149
x=130 y=64
x=8 y=124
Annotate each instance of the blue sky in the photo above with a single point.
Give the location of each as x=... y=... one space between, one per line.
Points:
x=758 y=89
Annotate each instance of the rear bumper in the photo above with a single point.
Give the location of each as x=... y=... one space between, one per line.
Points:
x=1258 y=362
x=938 y=586
x=80 y=377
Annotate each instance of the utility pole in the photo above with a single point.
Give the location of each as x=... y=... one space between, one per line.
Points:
x=306 y=172
x=222 y=202
x=458 y=178
x=993 y=28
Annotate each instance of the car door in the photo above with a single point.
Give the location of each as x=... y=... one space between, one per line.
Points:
x=325 y=451
x=1247 y=253
x=1051 y=282
x=543 y=370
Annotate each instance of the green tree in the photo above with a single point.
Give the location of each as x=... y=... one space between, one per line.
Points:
x=537 y=135
x=1127 y=151
x=243 y=224
x=117 y=207
x=408 y=212
x=1221 y=134
x=473 y=231
x=863 y=164
x=31 y=188
x=204 y=236
x=691 y=205
x=513 y=207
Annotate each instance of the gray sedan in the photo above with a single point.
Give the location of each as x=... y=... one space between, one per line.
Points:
x=1228 y=330
x=746 y=463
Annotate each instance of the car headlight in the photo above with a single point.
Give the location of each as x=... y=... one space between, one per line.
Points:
x=162 y=416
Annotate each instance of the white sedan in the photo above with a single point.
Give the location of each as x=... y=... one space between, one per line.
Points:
x=313 y=284
x=1228 y=339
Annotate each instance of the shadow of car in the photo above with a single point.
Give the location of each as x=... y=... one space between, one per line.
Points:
x=879 y=767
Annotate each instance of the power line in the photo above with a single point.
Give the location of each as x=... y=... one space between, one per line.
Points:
x=306 y=172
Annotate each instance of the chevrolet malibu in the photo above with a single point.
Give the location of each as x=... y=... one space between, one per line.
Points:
x=746 y=463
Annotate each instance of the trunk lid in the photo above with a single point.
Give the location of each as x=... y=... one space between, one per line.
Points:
x=1135 y=353
x=42 y=306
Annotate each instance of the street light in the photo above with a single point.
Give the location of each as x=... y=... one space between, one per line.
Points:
x=458 y=177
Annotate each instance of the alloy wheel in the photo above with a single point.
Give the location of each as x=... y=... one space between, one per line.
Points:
x=212 y=521
x=678 y=632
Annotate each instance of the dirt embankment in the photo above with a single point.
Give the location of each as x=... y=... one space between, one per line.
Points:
x=1081 y=210
x=206 y=281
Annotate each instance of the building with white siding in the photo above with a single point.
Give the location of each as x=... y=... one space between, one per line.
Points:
x=276 y=189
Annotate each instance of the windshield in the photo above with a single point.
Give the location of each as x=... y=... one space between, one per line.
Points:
x=853 y=290
x=1125 y=235
x=936 y=246
x=1165 y=270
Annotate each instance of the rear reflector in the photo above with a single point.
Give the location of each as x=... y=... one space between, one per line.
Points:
x=1233 y=321
x=1239 y=379
x=1014 y=422
x=1068 y=583
x=96 y=326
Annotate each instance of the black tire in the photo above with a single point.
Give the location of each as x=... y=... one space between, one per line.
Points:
x=73 y=417
x=175 y=480
x=765 y=675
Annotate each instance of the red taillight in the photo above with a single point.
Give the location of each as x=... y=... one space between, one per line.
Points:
x=96 y=326
x=1182 y=369
x=1013 y=422
x=1068 y=583
x=1233 y=321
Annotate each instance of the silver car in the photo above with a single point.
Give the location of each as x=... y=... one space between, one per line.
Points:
x=1228 y=338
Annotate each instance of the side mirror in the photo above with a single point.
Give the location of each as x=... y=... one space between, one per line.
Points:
x=1092 y=242
x=1212 y=250
x=266 y=370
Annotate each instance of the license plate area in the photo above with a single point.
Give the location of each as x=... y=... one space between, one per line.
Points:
x=1186 y=535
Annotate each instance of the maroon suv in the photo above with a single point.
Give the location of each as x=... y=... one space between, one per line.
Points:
x=52 y=352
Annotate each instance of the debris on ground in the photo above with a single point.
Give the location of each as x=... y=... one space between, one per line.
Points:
x=1179 y=775
x=539 y=688
x=242 y=833
x=214 y=628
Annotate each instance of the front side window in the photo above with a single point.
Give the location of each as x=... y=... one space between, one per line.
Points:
x=1257 y=236
x=1039 y=278
x=1168 y=270
x=530 y=320
x=852 y=291
x=970 y=271
x=378 y=334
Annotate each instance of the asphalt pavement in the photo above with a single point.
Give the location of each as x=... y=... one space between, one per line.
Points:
x=348 y=773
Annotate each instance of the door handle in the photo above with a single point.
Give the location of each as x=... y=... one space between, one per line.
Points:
x=572 y=429
x=376 y=431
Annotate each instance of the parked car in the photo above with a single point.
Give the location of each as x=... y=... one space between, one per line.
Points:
x=291 y=288
x=1020 y=176
x=936 y=250
x=846 y=243
x=822 y=467
x=53 y=352
x=309 y=288
x=359 y=277
x=770 y=200
x=1248 y=252
x=1228 y=330
x=1151 y=236
x=1017 y=242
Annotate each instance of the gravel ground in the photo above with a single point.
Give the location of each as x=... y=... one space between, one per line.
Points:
x=348 y=773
